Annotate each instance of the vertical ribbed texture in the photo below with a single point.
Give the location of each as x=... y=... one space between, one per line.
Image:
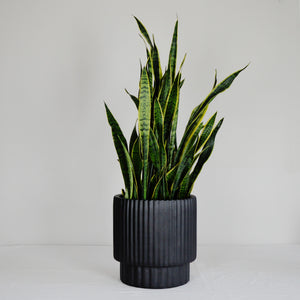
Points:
x=155 y=240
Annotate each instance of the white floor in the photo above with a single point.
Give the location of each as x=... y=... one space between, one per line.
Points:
x=89 y=272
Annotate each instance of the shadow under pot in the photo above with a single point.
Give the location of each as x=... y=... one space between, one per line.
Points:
x=154 y=240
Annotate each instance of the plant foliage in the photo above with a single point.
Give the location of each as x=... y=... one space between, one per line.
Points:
x=153 y=165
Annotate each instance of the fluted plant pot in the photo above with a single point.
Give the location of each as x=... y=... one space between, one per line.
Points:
x=154 y=241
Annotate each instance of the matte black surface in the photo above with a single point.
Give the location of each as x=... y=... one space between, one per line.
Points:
x=154 y=277
x=155 y=240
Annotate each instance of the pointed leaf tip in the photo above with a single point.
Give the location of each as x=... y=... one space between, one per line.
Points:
x=143 y=31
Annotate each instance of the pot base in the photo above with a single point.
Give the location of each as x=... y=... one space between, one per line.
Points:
x=154 y=277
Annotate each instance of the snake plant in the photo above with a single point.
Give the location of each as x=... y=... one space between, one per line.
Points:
x=154 y=165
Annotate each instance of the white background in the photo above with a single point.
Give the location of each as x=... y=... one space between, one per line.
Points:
x=59 y=60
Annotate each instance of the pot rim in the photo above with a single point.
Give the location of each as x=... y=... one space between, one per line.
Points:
x=120 y=196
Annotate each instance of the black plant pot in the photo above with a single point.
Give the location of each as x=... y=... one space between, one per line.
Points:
x=155 y=241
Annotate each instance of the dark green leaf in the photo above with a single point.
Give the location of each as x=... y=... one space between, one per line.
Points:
x=155 y=194
x=184 y=187
x=134 y=99
x=143 y=31
x=156 y=64
x=216 y=79
x=133 y=138
x=171 y=175
x=115 y=128
x=173 y=53
x=171 y=108
x=181 y=65
x=188 y=139
x=154 y=151
x=221 y=87
x=181 y=83
x=150 y=69
x=144 y=120
x=206 y=131
x=206 y=152
x=183 y=168
x=137 y=162
x=158 y=121
x=164 y=89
